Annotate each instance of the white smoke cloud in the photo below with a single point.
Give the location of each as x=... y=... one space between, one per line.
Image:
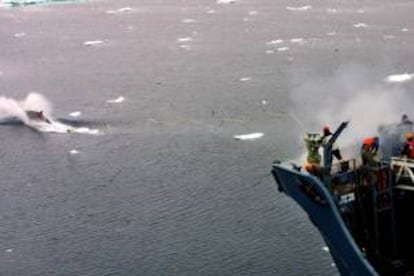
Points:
x=353 y=94
x=34 y=101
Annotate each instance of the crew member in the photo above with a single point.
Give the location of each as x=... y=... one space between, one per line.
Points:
x=327 y=134
x=408 y=149
x=369 y=151
x=313 y=160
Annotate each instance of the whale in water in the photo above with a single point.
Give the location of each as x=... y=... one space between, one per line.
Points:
x=37 y=116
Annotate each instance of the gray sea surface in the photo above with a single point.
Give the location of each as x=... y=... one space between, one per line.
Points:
x=166 y=189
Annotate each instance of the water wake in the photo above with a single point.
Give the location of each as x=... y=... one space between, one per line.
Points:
x=35 y=111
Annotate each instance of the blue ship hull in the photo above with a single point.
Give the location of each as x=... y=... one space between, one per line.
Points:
x=363 y=212
x=312 y=195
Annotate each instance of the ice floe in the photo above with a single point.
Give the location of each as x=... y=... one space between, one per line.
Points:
x=251 y=13
x=75 y=114
x=360 y=25
x=19 y=35
x=121 y=10
x=244 y=79
x=388 y=36
x=187 y=20
x=92 y=42
x=211 y=11
x=325 y=248
x=302 y=8
x=184 y=39
x=270 y=52
x=360 y=11
x=399 y=77
x=249 y=136
x=74 y=152
x=331 y=33
x=185 y=47
x=283 y=49
x=298 y=40
x=331 y=10
x=9 y=250
x=274 y=42
x=404 y=30
x=117 y=100
x=226 y=1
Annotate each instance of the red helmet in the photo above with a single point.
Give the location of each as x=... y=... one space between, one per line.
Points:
x=326 y=130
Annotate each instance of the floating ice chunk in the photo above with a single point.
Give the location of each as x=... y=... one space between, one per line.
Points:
x=185 y=47
x=274 y=42
x=117 y=100
x=333 y=265
x=325 y=248
x=121 y=10
x=331 y=10
x=245 y=19
x=184 y=39
x=19 y=35
x=226 y=1
x=75 y=114
x=404 y=30
x=399 y=77
x=211 y=11
x=360 y=11
x=282 y=49
x=360 y=25
x=73 y=152
x=270 y=52
x=250 y=136
x=389 y=36
x=331 y=33
x=298 y=40
x=264 y=102
x=188 y=20
x=303 y=8
x=125 y=9
x=244 y=79
x=251 y=13
x=9 y=250
x=92 y=42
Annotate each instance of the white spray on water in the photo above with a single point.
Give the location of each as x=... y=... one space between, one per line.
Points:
x=11 y=109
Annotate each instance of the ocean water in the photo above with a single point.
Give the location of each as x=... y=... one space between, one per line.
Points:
x=165 y=188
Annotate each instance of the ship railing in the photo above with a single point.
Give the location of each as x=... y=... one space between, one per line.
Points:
x=343 y=184
x=403 y=169
x=344 y=166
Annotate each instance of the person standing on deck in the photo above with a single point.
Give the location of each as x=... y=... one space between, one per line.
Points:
x=408 y=149
x=369 y=151
x=313 y=160
x=327 y=134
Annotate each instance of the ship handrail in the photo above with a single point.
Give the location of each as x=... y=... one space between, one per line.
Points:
x=403 y=168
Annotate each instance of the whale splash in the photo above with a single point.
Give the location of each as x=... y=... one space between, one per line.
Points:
x=35 y=111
